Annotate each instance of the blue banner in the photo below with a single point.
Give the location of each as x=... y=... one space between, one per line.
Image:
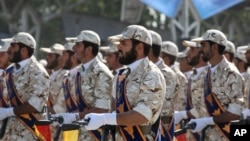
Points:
x=167 y=7
x=208 y=8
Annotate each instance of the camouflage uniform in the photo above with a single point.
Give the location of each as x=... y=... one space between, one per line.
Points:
x=246 y=76
x=146 y=90
x=171 y=88
x=227 y=85
x=32 y=84
x=180 y=100
x=4 y=90
x=96 y=86
x=56 y=79
x=197 y=90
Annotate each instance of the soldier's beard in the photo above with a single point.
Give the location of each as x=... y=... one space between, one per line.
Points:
x=67 y=65
x=16 y=57
x=53 y=64
x=204 y=57
x=194 y=61
x=129 y=57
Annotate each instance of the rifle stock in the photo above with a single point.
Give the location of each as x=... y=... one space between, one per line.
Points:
x=3 y=127
x=185 y=128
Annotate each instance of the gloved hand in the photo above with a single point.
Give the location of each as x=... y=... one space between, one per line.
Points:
x=98 y=120
x=245 y=113
x=6 y=112
x=179 y=115
x=68 y=117
x=201 y=123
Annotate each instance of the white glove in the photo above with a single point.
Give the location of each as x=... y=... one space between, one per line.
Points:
x=245 y=113
x=6 y=112
x=98 y=120
x=201 y=123
x=179 y=115
x=68 y=117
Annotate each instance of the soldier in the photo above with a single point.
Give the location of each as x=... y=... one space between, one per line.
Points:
x=94 y=82
x=195 y=107
x=70 y=63
x=229 y=51
x=141 y=89
x=240 y=61
x=4 y=63
x=171 y=84
x=169 y=53
x=185 y=67
x=27 y=84
x=54 y=60
x=112 y=61
x=246 y=50
x=223 y=89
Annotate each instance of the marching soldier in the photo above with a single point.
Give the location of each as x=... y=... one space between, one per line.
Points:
x=229 y=52
x=195 y=107
x=246 y=50
x=171 y=85
x=93 y=82
x=240 y=61
x=112 y=61
x=27 y=83
x=70 y=63
x=185 y=67
x=169 y=53
x=140 y=90
x=223 y=89
x=54 y=60
x=4 y=100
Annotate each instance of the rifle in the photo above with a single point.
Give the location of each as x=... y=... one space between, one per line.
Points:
x=3 y=127
x=59 y=129
x=241 y=121
x=106 y=129
x=185 y=128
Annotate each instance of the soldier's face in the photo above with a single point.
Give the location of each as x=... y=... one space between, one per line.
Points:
x=193 y=56
x=127 y=52
x=248 y=57
x=112 y=60
x=79 y=50
x=14 y=53
x=206 y=52
x=4 y=60
x=51 y=58
x=66 y=60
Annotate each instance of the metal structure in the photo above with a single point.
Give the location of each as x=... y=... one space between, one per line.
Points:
x=187 y=22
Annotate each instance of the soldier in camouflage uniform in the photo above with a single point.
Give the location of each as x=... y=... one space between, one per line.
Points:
x=240 y=62
x=112 y=61
x=223 y=89
x=4 y=63
x=71 y=64
x=195 y=107
x=31 y=84
x=54 y=59
x=96 y=79
x=185 y=68
x=169 y=53
x=229 y=52
x=169 y=75
x=145 y=86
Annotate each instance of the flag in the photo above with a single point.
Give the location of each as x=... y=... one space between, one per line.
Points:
x=167 y=7
x=70 y=132
x=208 y=8
x=42 y=130
x=180 y=137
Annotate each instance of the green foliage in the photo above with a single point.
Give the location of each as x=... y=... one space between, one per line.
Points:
x=104 y=8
